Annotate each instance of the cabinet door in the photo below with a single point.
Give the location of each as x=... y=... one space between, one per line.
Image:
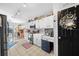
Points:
x=39 y=42
x=51 y=21
x=46 y=46
x=34 y=40
x=48 y=22
x=37 y=23
x=45 y=22
x=42 y=23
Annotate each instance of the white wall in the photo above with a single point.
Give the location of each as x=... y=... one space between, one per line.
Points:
x=10 y=18
x=13 y=21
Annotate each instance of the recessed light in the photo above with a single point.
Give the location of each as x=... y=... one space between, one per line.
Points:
x=18 y=13
x=24 y=5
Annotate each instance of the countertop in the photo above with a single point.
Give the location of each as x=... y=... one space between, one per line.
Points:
x=44 y=37
x=48 y=38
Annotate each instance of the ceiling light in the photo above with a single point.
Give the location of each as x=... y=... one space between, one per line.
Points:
x=18 y=13
x=24 y=5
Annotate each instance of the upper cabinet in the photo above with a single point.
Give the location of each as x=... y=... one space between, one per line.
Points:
x=37 y=24
x=46 y=22
x=31 y=24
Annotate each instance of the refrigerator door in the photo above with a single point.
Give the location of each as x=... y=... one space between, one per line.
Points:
x=3 y=36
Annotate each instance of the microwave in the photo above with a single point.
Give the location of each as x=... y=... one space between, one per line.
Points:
x=49 y=32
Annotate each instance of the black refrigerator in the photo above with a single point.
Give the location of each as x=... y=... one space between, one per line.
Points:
x=68 y=31
x=3 y=35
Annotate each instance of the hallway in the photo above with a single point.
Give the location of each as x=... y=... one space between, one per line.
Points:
x=19 y=50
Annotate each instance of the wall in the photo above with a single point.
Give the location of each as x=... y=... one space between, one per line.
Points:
x=10 y=17
x=13 y=21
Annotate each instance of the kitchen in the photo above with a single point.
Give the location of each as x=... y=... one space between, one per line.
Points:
x=38 y=34
x=42 y=33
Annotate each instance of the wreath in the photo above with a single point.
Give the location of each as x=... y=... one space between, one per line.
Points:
x=68 y=21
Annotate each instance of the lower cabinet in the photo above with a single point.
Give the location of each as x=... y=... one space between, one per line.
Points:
x=47 y=46
x=37 y=39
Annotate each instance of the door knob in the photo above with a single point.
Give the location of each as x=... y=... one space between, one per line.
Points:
x=59 y=37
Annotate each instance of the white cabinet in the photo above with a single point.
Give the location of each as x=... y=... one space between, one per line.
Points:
x=31 y=24
x=45 y=22
x=37 y=24
x=49 y=22
x=37 y=39
x=40 y=23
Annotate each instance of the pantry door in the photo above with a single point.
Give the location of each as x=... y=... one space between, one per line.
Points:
x=66 y=31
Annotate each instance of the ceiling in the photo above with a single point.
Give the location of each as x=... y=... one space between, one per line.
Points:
x=31 y=10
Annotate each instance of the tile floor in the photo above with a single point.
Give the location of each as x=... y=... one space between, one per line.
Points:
x=19 y=50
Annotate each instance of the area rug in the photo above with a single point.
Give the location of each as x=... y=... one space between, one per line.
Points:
x=10 y=44
x=26 y=45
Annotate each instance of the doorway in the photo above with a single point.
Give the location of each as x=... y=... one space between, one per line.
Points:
x=68 y=32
